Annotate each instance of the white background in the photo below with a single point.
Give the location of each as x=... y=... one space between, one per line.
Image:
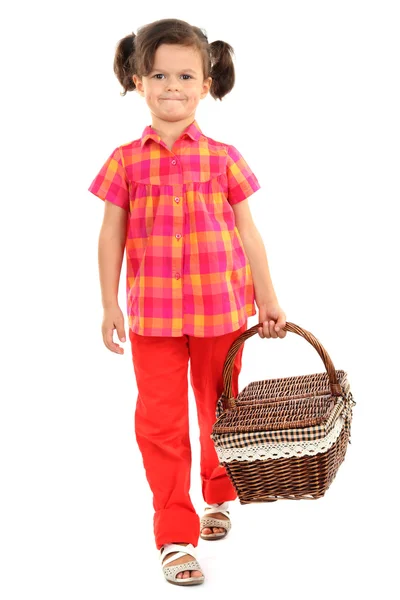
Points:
x=315 y=112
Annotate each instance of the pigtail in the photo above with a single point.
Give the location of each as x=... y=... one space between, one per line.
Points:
x=124 y=62
x=222 y=69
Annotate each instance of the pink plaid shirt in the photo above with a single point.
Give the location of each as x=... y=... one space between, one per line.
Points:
x=186 y=267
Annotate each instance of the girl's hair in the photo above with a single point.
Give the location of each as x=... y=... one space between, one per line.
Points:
x=135 y=54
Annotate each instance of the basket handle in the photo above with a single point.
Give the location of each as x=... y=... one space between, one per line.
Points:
x=229 y=402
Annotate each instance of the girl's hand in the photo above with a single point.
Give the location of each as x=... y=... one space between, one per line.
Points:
x=268 y=313
x=113 y=319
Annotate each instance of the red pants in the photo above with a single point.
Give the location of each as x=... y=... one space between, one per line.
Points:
x=162 y=425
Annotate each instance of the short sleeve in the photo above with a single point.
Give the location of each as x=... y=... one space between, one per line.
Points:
x=111 y=182
x=241 y=180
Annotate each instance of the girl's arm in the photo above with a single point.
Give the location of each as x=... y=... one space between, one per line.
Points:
x=111 y=247
x=256 y=253
x=270 y=313
x=264 y=291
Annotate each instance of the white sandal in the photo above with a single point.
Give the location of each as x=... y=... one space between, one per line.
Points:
x=211 y=522
x=170 y=573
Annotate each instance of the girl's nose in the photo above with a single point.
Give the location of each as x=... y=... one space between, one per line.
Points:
x=173 y=84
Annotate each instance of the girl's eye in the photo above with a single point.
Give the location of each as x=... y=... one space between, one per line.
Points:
x=161 y=74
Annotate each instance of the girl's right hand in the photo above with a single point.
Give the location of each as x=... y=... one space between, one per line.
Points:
x=113 y=319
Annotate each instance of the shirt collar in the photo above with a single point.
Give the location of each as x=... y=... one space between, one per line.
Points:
x=193 y=131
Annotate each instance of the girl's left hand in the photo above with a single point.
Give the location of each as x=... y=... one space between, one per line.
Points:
x=273 y=319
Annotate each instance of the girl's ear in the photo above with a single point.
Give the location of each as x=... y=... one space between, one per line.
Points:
x=206 y=86
x=138 y=83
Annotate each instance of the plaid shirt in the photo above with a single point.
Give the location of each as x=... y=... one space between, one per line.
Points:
x=187 y=271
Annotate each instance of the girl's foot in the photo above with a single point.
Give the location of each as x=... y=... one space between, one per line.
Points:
x=182 y=559
x=216 y=515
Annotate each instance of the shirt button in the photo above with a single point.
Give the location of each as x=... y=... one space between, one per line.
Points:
x=176 y=200
x=178 y=236
x=177 y=275
x=173 y=162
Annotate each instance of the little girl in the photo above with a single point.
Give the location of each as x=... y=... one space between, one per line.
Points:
x=177 y=202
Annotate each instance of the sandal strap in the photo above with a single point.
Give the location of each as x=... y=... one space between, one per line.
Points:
x=170 y=573
x=218 y=508
x=221 y=507
x=224 y=512
x=180 y=549
x=212 y=522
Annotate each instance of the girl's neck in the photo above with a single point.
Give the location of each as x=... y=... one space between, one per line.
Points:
x=169 y=131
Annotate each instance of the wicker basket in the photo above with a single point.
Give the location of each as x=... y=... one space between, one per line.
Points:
x=283 y=438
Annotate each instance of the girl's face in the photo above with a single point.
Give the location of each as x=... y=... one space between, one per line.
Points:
x=175 y=85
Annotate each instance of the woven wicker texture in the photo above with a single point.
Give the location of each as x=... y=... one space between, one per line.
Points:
x=306 y=418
